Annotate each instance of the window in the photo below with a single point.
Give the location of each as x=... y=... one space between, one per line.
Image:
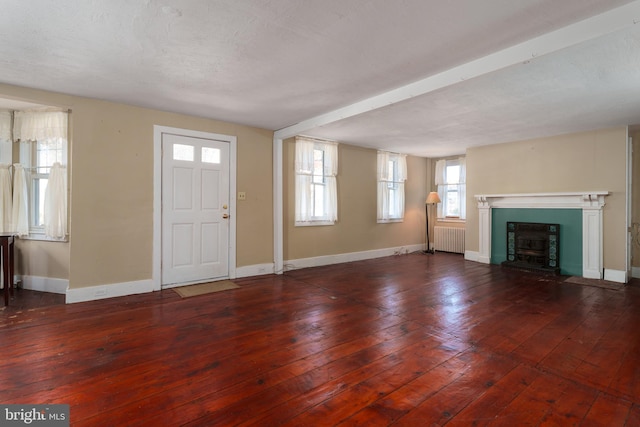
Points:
x=210 y=155
x=39 y=157
x=451 y=182
x=183 y=152
x=316 y=167
x=39 y=201
x=392 y=173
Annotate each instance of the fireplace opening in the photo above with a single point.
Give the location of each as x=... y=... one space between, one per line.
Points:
x=533 y=246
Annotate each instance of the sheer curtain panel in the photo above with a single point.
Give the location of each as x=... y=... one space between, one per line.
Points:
x=40 y=125
x=5 y=136
x=5 y=126
x=55 y=203
x=6 y=225
x=20 y=214
x=462 y=189
x=304 y=177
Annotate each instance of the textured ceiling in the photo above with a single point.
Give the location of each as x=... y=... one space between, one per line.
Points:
x=276 y=63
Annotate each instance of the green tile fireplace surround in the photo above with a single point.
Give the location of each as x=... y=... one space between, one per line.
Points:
x=570 y=221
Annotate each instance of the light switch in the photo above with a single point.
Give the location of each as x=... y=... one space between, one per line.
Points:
x=242 y=195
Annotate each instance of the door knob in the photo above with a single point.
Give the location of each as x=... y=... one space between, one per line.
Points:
x=225 y=216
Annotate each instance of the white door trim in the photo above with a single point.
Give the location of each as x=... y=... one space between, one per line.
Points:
x=629 y=201
x=157 y=196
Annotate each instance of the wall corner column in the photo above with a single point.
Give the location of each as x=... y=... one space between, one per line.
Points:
x=484 y=216
x=592 y=230
x=278 y=215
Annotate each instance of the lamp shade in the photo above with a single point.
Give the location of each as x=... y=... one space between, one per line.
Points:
x=433 y=198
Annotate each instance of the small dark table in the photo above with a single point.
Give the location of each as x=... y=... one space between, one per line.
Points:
x=6 y=243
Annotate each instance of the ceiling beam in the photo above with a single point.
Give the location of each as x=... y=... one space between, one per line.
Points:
x=597 y=26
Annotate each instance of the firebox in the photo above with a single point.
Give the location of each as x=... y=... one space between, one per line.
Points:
x=533 y=246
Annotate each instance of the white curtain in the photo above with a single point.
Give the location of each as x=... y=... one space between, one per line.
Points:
x=441 y=169
x=40 y=125
x=462 y=188
x=6 y=225
x=304 y=169
x=20 y=214
x=55 y=203
x=5 y=136
x=331 y=187
x=5 y=126
x=304 y=191
x=391 y=185
x=441 y=182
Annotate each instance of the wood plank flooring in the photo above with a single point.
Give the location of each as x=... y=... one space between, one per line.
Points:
x=411 y=340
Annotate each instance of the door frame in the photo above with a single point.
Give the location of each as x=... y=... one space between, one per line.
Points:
x=158 y=131
x=629 y=214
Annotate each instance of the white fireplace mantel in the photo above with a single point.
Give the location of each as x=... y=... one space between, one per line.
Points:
x=590 y=202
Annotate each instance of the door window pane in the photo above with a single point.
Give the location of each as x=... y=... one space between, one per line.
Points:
x=183 y=152
x=210 y=155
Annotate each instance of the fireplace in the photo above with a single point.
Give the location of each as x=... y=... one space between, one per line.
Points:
x=589 y=203
x=533 y=246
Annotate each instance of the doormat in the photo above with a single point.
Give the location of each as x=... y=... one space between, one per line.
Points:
x=595 y=282
x=205 y=288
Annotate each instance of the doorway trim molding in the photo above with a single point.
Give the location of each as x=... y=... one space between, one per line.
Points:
x=158 y=131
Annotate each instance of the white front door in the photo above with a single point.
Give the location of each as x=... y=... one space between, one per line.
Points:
x=195 y=209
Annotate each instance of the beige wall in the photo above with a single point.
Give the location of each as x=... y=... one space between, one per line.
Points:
x=577 y=162
x=111 y=185
x=356 y=229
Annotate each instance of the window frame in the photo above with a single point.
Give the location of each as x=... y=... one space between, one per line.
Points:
x=317 y=177
x=29 y=151
x=25 y=152
x=449 y=185
x=390 y=193
x=448 y=189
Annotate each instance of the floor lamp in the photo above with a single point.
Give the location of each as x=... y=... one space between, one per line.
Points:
x=432 y=199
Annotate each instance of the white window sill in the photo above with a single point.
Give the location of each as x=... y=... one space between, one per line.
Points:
x=458 y=220
x=386 y=221
x=43 y=238
x=313 y=223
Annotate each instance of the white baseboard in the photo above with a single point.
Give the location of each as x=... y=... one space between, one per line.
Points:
x=635 y=272
x=45 y=284
x=472 y=255
x=255 y=270
x=294 y=264
x=111 y=290
x=615 y=276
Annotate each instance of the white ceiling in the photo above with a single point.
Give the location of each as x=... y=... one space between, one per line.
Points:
x=325 y=68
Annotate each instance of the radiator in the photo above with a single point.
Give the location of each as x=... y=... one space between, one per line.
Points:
x=449 y=239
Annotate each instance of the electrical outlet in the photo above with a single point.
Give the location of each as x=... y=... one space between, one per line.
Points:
x=242 y=195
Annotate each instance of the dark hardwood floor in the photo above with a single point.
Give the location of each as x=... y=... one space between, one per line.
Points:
x=25 y=299
x=411 y=340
